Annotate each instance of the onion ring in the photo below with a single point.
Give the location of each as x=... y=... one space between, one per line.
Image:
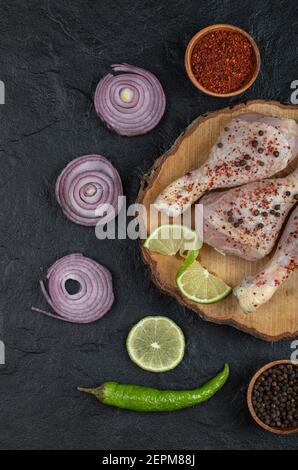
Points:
x=131 y=102
x=86 y=185
x=94 y=298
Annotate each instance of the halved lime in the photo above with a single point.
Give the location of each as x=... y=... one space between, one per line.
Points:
x=171 y=239
x=197 y=284
x=156 y=344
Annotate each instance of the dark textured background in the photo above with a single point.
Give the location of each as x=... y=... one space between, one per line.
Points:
x=52 y=54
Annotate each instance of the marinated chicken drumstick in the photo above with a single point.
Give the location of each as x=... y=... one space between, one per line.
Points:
x=251 y=147
x=246 y=221
x=254 y=292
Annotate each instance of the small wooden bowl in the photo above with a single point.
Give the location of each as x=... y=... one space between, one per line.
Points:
x=198 y=36
x=249 y=399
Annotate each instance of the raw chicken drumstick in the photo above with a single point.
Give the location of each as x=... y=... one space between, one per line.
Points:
x=254 y=292
x=251 y=147
x=246 y=221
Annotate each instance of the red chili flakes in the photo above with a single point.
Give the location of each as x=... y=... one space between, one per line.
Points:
x=291 y=266
x=223 y=61
x=189 y=188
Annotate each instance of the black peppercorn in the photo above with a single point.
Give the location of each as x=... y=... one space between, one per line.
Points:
x=277 y=405
x=260 y=150
x=220 y=145
x=260 y=225
x=296 y=197
x=261 y=133
x=288 y=193
x=277 y=207
x=247 y=157
x=254 y=143
x=276 y=153
x=247 y=167
x=256 y=212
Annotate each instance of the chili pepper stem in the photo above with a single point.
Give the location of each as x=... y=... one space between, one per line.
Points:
x=91 y=391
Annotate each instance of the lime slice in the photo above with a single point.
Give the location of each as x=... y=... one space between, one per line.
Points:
x=197 y=284
x=171 y=239
x=156 y=344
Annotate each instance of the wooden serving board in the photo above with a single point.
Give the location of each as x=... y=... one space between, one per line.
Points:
x=277 y=319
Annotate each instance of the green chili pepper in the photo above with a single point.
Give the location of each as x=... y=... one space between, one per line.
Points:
x=139 y=398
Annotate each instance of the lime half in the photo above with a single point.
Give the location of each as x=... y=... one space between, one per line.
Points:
x=197 y=284
x=156 y=344
x=171 y=239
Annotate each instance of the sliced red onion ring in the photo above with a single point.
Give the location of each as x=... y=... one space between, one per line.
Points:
x=131 y=102
x=94 y=298
x=86 y=184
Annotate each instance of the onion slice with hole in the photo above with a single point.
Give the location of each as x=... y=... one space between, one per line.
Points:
x=94 y=298
x=88 y=190
x=131 y=102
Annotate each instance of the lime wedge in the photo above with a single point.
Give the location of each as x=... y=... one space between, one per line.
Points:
x=156 y=344
x=197 y=284
x=171 y=239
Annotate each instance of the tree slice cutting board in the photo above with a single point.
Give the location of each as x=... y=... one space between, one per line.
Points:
x=277 y=319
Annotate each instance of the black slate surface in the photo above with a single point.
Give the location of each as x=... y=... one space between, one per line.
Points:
x=52 y=55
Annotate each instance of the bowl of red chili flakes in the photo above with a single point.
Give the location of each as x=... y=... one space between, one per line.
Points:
x=222 y=60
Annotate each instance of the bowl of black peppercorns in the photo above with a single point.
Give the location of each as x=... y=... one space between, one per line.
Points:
x=272 y=397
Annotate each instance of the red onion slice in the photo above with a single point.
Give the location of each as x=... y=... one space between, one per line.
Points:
x=94 y=298
x=131 y=102
x=86 y=184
